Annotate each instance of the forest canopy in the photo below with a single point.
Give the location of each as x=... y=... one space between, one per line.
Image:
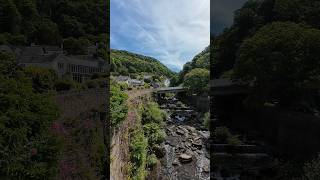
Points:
x=125 y=63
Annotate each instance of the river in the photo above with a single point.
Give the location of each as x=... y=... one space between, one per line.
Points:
x=186 y=154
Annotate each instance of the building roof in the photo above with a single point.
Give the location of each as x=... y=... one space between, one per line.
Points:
x=135 y=81
x=122 y=78
x=37 y=58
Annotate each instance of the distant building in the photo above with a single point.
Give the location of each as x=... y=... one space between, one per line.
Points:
x=129 y=81
x=123 y=79
x=147 y=77
x=79 y=67
x=135 y=82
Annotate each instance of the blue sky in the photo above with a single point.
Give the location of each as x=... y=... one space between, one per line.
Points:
x=172 y=31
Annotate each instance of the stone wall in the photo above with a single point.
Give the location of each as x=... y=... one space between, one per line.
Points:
x=73 y=103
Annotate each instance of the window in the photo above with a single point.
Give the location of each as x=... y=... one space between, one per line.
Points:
x=60 y=66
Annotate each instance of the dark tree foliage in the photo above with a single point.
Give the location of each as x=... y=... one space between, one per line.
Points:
x=282 y=59
x=28 y=149
x=197 y=80
x=75 y=46
x=250 y=18
x=47 y=21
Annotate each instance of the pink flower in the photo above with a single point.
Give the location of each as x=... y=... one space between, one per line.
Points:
x=58 y=128
x=34 y=151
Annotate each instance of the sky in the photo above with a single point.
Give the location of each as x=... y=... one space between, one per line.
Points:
x=222 y=12
x=172 y=31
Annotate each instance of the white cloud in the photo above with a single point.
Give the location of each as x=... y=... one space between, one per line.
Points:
x=172 y=30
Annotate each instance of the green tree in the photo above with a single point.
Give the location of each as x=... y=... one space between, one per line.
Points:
x=282 y=60
x=10 y=17
x=76 y=46
x=7 y=65
x=43 y=79
x=197 y=80
x=47 y=32
x=28 y=148
x=71 y=27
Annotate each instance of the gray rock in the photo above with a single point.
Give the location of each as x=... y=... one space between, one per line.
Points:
x=180 y=132
x=185 y=158
x=175 y=162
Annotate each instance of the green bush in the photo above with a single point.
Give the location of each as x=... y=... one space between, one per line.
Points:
x=152 y=113
x=138 y=152
x=223 y=135
x=92 y=84
x=206 y=120
x=64 y=85
x=118 y=106
x=43 y=79
x=152 y=160
x=234 y=140
x=154 y=133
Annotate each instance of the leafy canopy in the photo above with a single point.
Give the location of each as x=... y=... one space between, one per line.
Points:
x=282 y=59
x=197 y=80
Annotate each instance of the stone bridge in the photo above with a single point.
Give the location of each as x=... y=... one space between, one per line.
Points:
x=218 y=87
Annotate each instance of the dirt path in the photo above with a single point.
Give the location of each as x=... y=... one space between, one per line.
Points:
x=138 y=93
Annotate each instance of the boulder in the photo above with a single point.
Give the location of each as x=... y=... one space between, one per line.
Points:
x=191 y=129
x=197 y=144
x=206 y=169
x=185 y=158
x=180 y=132
x=175 y=162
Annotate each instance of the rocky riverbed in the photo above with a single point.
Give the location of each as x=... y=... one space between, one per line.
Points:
x=186 y=155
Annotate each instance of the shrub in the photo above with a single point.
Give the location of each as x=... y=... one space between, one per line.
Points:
x=312 y=169
x=154 y=133
x=221 y=134
x=152 y=160
x=123 y=86
x=64 y=85
x=180 y=104
x=92 y=84
x=118 y=106
x=152 y=113
x=138 y=151
x=234 y=140
x=206 y=120
x=42 y=79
